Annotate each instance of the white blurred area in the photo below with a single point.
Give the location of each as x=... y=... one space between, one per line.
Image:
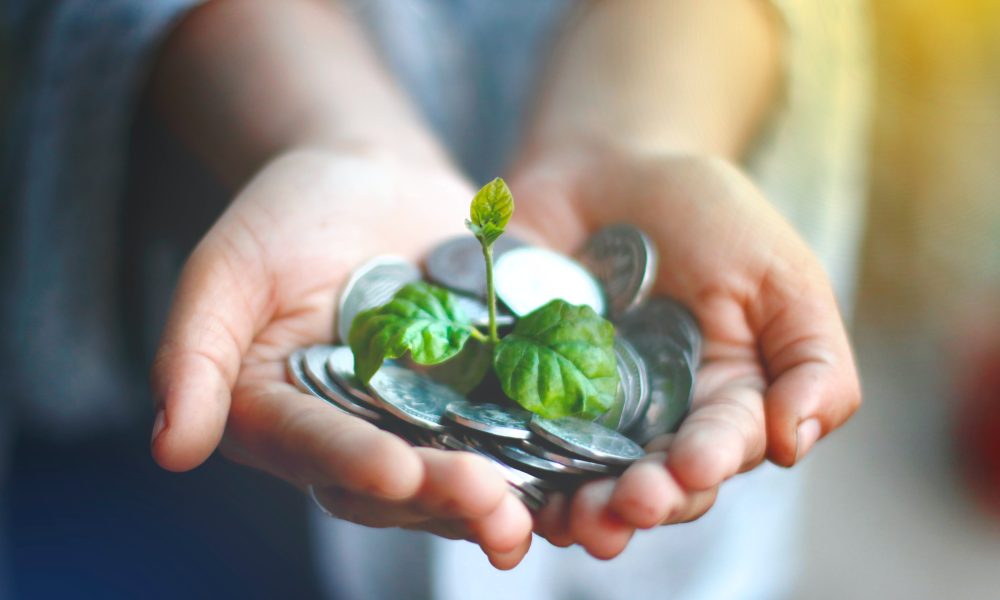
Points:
x=887 y=515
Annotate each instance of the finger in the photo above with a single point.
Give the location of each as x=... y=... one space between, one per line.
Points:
x=552 y=522
x=368 y=511
x=646 y=493
x=599 y=530
x=695 y=505
x=459 y=484
x=302 y=439
x=814 y=384
x=446 y=528
x=505 y=529
x=219 y=298
x=511 y=558
x=725 y=432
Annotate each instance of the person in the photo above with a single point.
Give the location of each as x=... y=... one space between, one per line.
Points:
x=642 y=111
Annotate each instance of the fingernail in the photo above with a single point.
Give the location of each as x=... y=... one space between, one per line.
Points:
x=806 y=436
x=158 y=425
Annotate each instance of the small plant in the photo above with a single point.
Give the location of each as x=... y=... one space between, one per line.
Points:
x=557 y=361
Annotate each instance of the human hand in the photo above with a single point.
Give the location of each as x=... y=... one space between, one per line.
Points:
x=777 y=371
x=263 y=282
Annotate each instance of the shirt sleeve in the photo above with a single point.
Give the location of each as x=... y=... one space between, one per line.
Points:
x=82 y=71
x=811 y=157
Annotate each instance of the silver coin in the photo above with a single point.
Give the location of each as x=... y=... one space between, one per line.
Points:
x=340 y=366
x=495 y=420
x=580 y=464
x=479 y=313
x=412 y=397
x=667 y=339
x=671 y=385
x=372 y=284
x=530 y=277
x=631 y=362
x=666 y=318
x=624 y=260
x=533 y=501
x=587 y=439
x=295 y=371
x=314 y=364
x=521 y=458
x=458 y=263
x=632 y=389
x=513 y=475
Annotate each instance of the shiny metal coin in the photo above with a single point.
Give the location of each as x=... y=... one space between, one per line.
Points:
x=372 y=284
x=667 y=339
x=534 y=501
x=624 y=260
x=479 y=313
x=295 y=371
x=580 y=464
x=671 y=386
x=666 y=318
x=499 y=421
x=526 y=482
x=633 y=388
x=458 y=263
x=412 y=397
x=528 y=278
x=587 y=439
x=526 y=460
x=314 y=364
x=340 y=366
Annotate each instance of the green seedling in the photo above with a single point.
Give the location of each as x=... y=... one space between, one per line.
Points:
x=557 y=361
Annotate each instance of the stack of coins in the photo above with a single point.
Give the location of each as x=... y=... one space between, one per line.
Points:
x=657 y=347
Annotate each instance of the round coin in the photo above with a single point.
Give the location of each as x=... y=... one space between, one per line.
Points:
x=665 y=318
x=531 y=277
x=295 y=371
x=372 y=284
x=671 y=385
x=412 y=397
x=580 y=464
x=340 y=366
x=635 y=369
x=624 y=260
x=458 y=263
x=522 y=459
x=587 y=439
x=500 y=421
x=314 y=364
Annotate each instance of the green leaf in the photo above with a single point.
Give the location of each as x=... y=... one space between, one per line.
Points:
x=421 y=319
x=491 y=210
x=465 y=370
x=559 y=361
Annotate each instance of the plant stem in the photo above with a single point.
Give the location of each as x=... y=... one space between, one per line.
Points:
x=491 y=295
x=479 y=335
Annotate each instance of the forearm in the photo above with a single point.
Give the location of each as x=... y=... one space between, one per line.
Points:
x=240 y=81
x=684 y=76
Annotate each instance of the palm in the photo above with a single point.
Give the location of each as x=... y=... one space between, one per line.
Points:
x=775 y=352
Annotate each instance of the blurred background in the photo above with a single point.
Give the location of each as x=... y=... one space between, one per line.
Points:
x=904 y=502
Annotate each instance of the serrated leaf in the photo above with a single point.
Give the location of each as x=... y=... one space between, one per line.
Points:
x=421 y=319
x=491 y=210
x=559 y=361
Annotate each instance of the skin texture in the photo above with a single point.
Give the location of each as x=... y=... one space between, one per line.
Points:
x=646 y=102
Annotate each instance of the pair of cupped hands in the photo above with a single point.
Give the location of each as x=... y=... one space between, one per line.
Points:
x=777 y=372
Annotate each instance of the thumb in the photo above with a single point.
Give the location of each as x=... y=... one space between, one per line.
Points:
x=219 y=298
x=814 y=383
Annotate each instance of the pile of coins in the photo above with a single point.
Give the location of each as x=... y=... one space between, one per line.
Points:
x=657 y=346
